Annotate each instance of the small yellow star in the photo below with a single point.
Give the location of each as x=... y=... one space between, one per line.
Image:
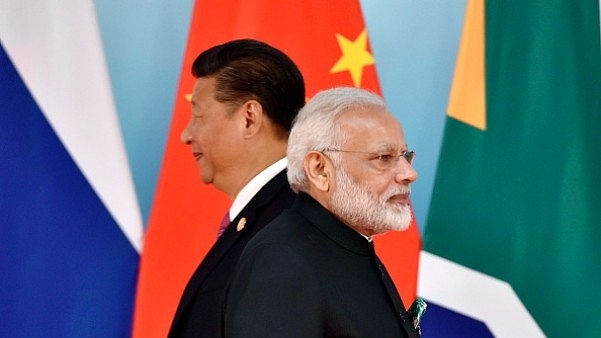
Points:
x=354 y=57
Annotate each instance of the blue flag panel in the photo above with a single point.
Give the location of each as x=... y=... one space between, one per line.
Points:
x=66 y=268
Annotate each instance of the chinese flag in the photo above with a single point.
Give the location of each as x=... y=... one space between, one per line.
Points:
x=328 y=40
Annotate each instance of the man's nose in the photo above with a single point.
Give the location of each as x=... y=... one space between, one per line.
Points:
x=186 y=137
x=405 y=172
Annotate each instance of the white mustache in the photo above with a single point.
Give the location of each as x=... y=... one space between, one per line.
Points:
x=403 y=190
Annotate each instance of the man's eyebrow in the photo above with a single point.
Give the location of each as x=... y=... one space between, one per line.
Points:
x=392 y=147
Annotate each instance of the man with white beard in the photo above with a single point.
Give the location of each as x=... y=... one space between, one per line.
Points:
x=313 y=271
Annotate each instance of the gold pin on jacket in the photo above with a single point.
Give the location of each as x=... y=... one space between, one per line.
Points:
x=241 y=224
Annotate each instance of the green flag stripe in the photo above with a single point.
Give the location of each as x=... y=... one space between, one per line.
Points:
x=521 y=201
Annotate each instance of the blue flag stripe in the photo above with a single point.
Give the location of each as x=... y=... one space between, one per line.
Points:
x=442 y=322
x=67 y=269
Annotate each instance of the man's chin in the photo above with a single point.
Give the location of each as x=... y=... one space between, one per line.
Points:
x=400 y=222
x=206 y=179
x=402 y=226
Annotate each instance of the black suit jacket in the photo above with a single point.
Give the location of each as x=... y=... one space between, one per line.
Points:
x=200 y=309
x=309 y=275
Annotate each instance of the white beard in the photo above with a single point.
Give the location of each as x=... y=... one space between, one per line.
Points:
x=355 y=205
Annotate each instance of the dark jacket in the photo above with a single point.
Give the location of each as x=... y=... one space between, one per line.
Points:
x=200 y=308
x=310 y=275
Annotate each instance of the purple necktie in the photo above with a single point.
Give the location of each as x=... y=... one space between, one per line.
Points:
x=224 y=223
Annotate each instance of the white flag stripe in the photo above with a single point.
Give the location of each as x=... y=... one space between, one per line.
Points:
x=57 y=50
x=476 y=295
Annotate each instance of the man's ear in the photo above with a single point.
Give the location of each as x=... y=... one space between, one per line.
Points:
x=252 y=117
x=319 y=170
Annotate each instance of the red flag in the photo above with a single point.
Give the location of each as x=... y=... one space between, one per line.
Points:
x=328 y=41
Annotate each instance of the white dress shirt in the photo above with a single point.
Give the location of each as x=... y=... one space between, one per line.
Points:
x=254 y=185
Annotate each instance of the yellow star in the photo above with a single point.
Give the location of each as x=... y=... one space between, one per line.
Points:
x=354 y=57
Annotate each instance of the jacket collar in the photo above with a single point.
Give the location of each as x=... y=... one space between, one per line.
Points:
x=331 y=226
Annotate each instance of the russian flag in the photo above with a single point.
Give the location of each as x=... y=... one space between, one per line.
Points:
x=70 y=225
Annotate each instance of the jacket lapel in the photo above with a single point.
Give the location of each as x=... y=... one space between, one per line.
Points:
x=396 y=300
x=229 y=237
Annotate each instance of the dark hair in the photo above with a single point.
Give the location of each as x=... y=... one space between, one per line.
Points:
x=248 y=69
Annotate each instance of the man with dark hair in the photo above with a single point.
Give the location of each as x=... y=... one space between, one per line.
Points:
x=245 y=98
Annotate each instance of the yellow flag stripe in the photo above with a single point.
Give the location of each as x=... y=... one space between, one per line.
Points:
x=467 y=101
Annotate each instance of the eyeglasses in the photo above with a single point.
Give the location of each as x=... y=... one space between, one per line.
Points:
x=382 y=160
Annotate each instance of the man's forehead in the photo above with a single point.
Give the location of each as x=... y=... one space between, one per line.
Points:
x=378 y=122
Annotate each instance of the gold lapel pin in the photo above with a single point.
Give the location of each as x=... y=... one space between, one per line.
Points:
x=241 y=224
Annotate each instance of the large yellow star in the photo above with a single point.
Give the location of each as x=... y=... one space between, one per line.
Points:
x=354 y=57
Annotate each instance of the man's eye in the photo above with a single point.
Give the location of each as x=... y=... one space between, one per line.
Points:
x=385 y=158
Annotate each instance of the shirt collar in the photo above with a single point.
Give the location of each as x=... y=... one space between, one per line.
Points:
x=368 y=238
x=254 y=185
